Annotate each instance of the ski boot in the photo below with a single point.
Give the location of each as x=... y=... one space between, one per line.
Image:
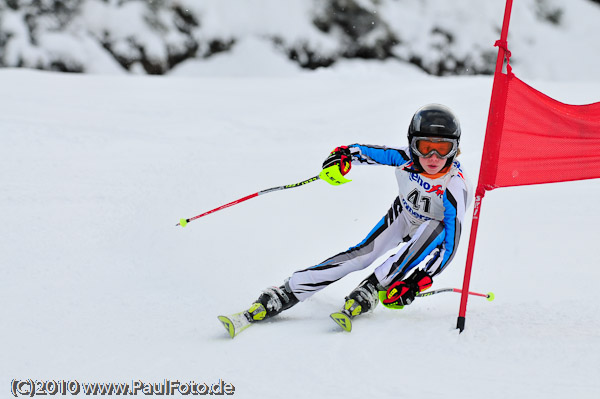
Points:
x=362 y=300
x=272 y=301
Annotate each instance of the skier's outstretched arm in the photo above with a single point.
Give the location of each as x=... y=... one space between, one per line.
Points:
x=378 y=155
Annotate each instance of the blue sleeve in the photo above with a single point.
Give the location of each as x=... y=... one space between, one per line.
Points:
x=451 y=226
x=377 y=155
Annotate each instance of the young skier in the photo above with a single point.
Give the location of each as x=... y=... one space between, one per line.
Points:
x=427 y=216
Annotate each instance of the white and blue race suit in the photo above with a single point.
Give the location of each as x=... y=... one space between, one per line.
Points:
x=427 y=216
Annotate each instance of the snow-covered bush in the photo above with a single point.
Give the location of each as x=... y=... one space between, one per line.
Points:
x=441 y=37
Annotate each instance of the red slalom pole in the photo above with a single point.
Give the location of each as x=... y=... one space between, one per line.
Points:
x=184 y=222
x=489 y=158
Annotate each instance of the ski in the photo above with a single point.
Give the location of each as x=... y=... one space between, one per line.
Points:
x=236 y=323
x=342 y=319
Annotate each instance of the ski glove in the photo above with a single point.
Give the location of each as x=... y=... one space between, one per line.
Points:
x=402 y=293
x=340 y=156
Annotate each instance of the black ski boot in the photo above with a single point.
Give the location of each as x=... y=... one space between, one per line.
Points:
x=273 y=301
x=363 y=299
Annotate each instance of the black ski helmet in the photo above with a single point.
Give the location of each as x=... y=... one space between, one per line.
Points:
x=433 y=120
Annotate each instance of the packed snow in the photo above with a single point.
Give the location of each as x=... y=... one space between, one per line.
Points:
x=99 y=285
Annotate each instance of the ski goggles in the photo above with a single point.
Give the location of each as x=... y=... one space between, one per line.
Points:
x=427 y=146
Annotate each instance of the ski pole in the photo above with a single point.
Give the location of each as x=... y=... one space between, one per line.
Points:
x=489 y=295
x=184 y=222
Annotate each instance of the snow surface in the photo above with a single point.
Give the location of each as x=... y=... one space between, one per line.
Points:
x=97 y=283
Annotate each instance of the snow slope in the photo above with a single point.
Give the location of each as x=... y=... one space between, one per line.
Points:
x=97 y=283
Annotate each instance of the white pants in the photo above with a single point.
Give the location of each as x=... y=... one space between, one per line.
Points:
x=391 y=231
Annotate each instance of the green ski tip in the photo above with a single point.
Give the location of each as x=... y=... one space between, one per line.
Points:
x=490 y=296
x=228 y=324
x=183 y=222
x=342 y=320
